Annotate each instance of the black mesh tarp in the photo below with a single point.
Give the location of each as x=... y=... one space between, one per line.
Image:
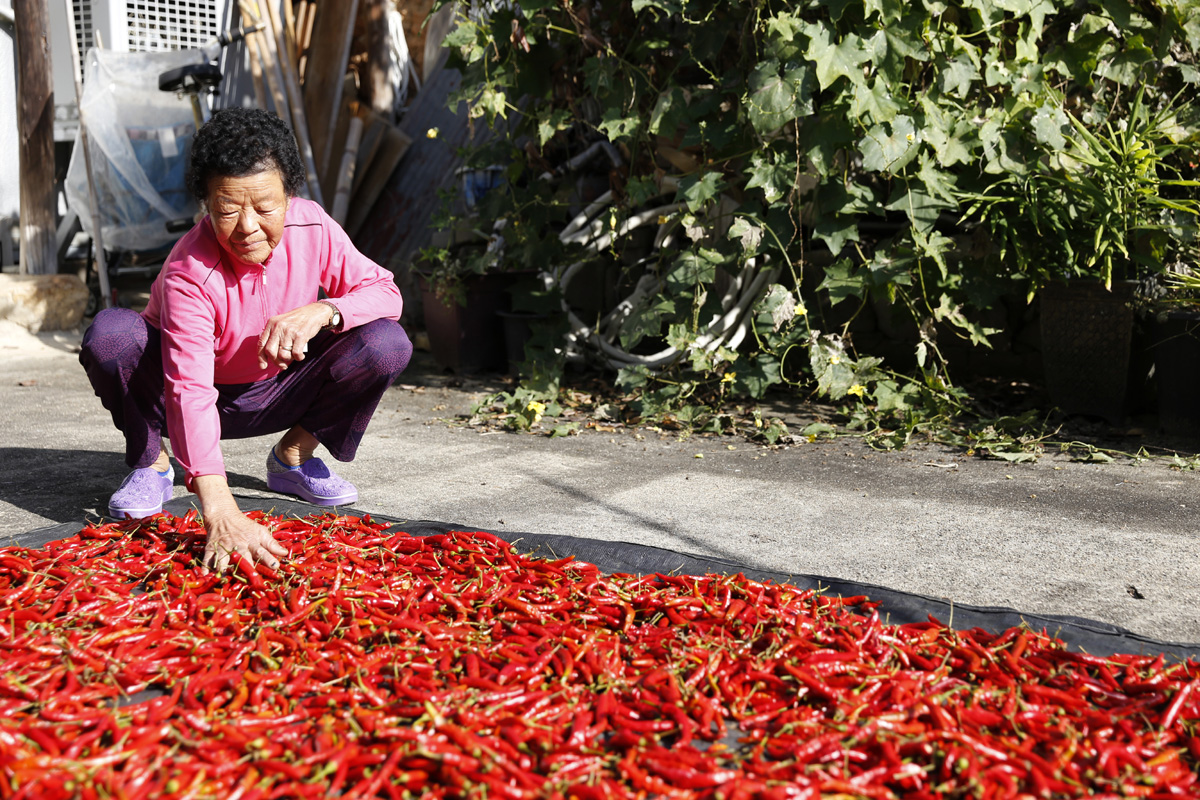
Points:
x=1097 y=638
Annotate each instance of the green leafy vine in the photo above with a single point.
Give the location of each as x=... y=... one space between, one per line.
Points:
x=863 y=181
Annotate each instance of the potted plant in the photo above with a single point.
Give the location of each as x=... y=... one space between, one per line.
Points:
x=464 y=286
x=1097 y=212
x=1174 y=346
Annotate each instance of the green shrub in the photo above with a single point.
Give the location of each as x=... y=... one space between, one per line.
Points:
x=774 y=171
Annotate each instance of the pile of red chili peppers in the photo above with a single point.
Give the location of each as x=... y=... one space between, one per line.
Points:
x=378 y=664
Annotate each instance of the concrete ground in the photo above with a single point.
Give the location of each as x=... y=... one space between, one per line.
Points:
x=1112 y=542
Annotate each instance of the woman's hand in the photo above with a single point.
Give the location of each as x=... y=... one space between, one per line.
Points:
x=229 y=531
x=285 y=338
x=234 y=533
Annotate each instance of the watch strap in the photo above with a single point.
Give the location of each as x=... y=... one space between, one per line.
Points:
x=335 y=322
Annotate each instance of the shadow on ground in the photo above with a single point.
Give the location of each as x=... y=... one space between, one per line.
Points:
x=73 y=485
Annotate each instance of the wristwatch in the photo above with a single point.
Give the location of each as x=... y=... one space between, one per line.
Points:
x=335 y=322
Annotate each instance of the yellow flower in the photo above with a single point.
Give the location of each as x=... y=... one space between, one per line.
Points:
x=431 y=133
x=835 y=359
x=537 y=408
x=801 y=311
x=728 y=377
x=856 y=389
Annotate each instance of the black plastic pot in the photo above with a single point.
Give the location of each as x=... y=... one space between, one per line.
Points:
x=1176 y=350
x=1087 y=332
x=468 y=338
x=517 y=330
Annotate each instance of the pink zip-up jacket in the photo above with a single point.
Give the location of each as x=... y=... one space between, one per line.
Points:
x=211 y=308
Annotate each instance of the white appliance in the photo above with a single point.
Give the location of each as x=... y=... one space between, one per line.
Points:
x=124 y=26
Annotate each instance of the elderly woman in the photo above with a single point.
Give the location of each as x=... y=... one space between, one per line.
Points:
x=235 y=342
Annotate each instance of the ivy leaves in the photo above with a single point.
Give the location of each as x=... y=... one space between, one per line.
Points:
x=1049 y=124
x=844 y=133
x=889 y=148
x=772 y=174
x=835 y=58
x=698 y=190
x=693 y=270
x=837 y=373
x=617 y=126
x=778 y=94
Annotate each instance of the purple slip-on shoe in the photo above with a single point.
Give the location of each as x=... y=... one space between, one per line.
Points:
x=314 y=482
x=142 y=493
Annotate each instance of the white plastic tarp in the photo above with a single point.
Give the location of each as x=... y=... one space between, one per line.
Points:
x=140 y=139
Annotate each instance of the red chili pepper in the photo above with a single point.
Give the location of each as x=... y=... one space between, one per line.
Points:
x=1181 y=697
x=347 y=644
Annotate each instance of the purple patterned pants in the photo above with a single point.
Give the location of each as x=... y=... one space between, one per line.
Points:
x=332 y=393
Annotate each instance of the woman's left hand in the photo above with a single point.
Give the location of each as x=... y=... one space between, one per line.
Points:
x=285 y=337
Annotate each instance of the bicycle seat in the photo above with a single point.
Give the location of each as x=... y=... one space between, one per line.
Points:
x=190 y=78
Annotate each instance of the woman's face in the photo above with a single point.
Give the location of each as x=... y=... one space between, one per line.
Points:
x=248 y=213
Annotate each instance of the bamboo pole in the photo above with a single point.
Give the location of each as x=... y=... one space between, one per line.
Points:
x=93 y=202
x=256 y=73
x=289 y=33
x=264 y=52
x=299 y=120
x=345 y=180
x=263 y=58
x=306 y=31
x=301 y=9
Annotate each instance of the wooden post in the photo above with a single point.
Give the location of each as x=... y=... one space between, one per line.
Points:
x=35 y=125
x=327 y=61
x=373 y=175
x=349 y=108
x=381 y=95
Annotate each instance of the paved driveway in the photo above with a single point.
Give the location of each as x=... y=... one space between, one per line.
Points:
x=1053 y=537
